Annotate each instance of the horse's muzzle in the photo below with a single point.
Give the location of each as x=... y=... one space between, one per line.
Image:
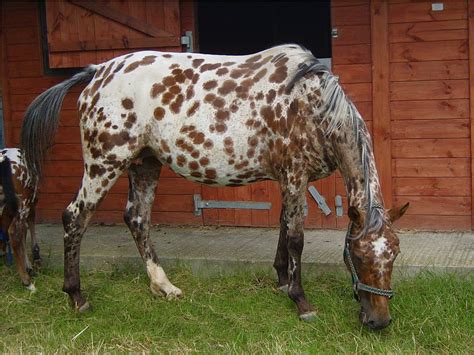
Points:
x=374 y=322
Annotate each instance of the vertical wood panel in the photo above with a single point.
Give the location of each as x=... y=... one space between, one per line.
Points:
x=314 y=217
x=260 y=193
x=329 y=193
x=226 y=216
x=275 y=199
x=380 y=97
x=210 y=216
x=3 y=80
x=243 y=217
x=471 y=100
x=352 y=60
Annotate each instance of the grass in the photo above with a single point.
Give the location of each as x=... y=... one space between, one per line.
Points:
x=243 y=312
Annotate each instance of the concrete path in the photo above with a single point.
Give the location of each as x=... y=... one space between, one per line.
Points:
x=220 y=249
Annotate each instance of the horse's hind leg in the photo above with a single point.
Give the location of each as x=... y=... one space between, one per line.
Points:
x=96 y=182
x=293 y=201
x=281 y=257
x=143 y=179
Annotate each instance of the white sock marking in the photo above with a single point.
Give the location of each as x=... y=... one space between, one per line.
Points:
x=160 y=280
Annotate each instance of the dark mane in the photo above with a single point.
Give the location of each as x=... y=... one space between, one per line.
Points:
x=338 y=111
x=310 y=65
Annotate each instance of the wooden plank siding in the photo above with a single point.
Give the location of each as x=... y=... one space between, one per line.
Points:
x=417 y=65
x=381 y=106
x=23 y=79
x=471 y=91
x=352 y=62
x=407 y=68
x=79 y=32
x=430 y=113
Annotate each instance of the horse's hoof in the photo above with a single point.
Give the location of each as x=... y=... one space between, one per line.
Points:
x=171 y=293
x=174 y=294
x=84 y=308
x=308 y=316
x=284 y=289
x=31 y=288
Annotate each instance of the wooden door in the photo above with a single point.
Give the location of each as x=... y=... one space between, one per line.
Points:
x=84 y=32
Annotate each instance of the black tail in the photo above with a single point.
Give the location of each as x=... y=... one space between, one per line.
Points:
x=42 y=120
x=6 y=179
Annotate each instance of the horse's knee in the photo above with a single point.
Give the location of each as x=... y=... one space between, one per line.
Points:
x=68 y=220
x=73 y=222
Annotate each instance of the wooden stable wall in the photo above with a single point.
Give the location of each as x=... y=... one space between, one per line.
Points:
x=352 y=62
x=406 y=67
x=418 y=63
x=23 y=79
x=73 y=31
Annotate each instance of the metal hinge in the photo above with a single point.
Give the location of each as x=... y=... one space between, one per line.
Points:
x=319 y=200
x=199 y=205
x=437 y=6
x=187 y=40
x=339 y=209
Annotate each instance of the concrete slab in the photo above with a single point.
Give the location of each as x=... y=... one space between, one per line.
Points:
x=220 y=249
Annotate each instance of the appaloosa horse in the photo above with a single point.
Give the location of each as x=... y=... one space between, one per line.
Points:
x=224 y=121
x=18 y=216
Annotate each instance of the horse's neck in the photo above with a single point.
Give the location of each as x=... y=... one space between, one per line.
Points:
x=350 y=164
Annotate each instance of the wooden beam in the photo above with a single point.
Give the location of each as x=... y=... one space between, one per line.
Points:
x=471 y=97
x=381 y=96
x=117 y=16
x=80 y=46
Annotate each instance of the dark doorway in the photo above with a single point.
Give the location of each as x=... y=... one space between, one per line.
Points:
x=240 y=27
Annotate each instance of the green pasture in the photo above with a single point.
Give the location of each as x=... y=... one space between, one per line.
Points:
x=238 y=313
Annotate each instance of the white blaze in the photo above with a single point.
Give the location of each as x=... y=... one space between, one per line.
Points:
x=379 y=246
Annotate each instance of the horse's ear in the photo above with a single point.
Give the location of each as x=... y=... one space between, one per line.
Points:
x=395 y=213
x=355 y=216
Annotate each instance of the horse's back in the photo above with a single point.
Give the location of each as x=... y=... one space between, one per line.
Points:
x=204 y=115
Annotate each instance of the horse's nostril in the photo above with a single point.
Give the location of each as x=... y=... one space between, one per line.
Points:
x=373 y=324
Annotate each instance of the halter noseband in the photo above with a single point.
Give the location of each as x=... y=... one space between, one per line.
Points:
x=357 y=285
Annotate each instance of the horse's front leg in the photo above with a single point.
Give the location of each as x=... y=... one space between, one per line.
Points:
x=293 y=205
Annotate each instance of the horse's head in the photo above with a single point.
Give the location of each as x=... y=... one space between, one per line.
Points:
x=370 y=260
